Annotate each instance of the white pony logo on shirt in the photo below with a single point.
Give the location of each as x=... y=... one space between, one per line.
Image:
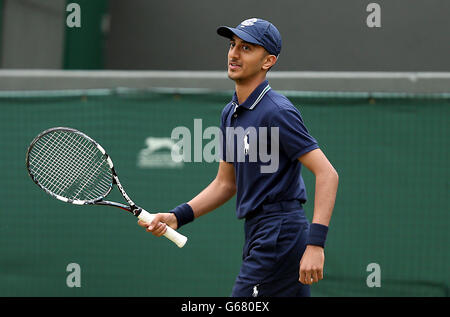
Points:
x=246 y=145
x=255 y=290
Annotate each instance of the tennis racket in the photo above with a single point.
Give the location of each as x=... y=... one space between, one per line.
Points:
x=70 y=166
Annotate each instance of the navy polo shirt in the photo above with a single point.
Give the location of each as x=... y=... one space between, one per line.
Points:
x=265 y=122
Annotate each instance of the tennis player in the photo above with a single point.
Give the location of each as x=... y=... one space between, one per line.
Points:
x=283 y=253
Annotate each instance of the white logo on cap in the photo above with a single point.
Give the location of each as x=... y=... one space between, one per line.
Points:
x=248 y=22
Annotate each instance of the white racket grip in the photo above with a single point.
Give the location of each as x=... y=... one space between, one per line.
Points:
x=170 y=234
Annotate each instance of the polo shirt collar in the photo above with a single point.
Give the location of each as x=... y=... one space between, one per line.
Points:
x=255 y=97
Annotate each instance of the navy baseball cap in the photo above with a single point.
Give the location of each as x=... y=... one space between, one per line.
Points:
x=255 y=31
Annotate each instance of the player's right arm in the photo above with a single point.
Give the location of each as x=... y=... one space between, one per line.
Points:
x=218 y=192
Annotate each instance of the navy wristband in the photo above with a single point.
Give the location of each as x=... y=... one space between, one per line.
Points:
x=184 y=214
x=317 y=234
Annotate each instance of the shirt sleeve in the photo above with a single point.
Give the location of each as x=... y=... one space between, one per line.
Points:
x=294 y=138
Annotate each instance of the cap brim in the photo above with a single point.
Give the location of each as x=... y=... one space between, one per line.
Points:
x=228 y=32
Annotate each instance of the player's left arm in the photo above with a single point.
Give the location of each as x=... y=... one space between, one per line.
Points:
x=312 y=262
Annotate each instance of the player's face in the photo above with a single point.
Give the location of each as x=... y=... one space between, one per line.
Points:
x=245 y=60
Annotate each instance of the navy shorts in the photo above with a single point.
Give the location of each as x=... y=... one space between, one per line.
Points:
x=275 y=239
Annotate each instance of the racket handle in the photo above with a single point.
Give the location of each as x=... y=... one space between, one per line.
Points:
x=170 y=233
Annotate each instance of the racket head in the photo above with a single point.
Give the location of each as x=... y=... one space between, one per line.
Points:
x=70 y=166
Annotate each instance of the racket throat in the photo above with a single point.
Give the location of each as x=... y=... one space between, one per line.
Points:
x=122 y=191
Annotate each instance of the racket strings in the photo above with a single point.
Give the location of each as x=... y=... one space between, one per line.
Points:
x=65 y=171
x=77 y=157
x=46 y=167
x=90 y=170
x=50 y=166
x=91 y=181
x=69 y=165
x=49 y=170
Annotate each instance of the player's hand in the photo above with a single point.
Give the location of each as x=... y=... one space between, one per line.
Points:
x=311 y=265
x=158 y=226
